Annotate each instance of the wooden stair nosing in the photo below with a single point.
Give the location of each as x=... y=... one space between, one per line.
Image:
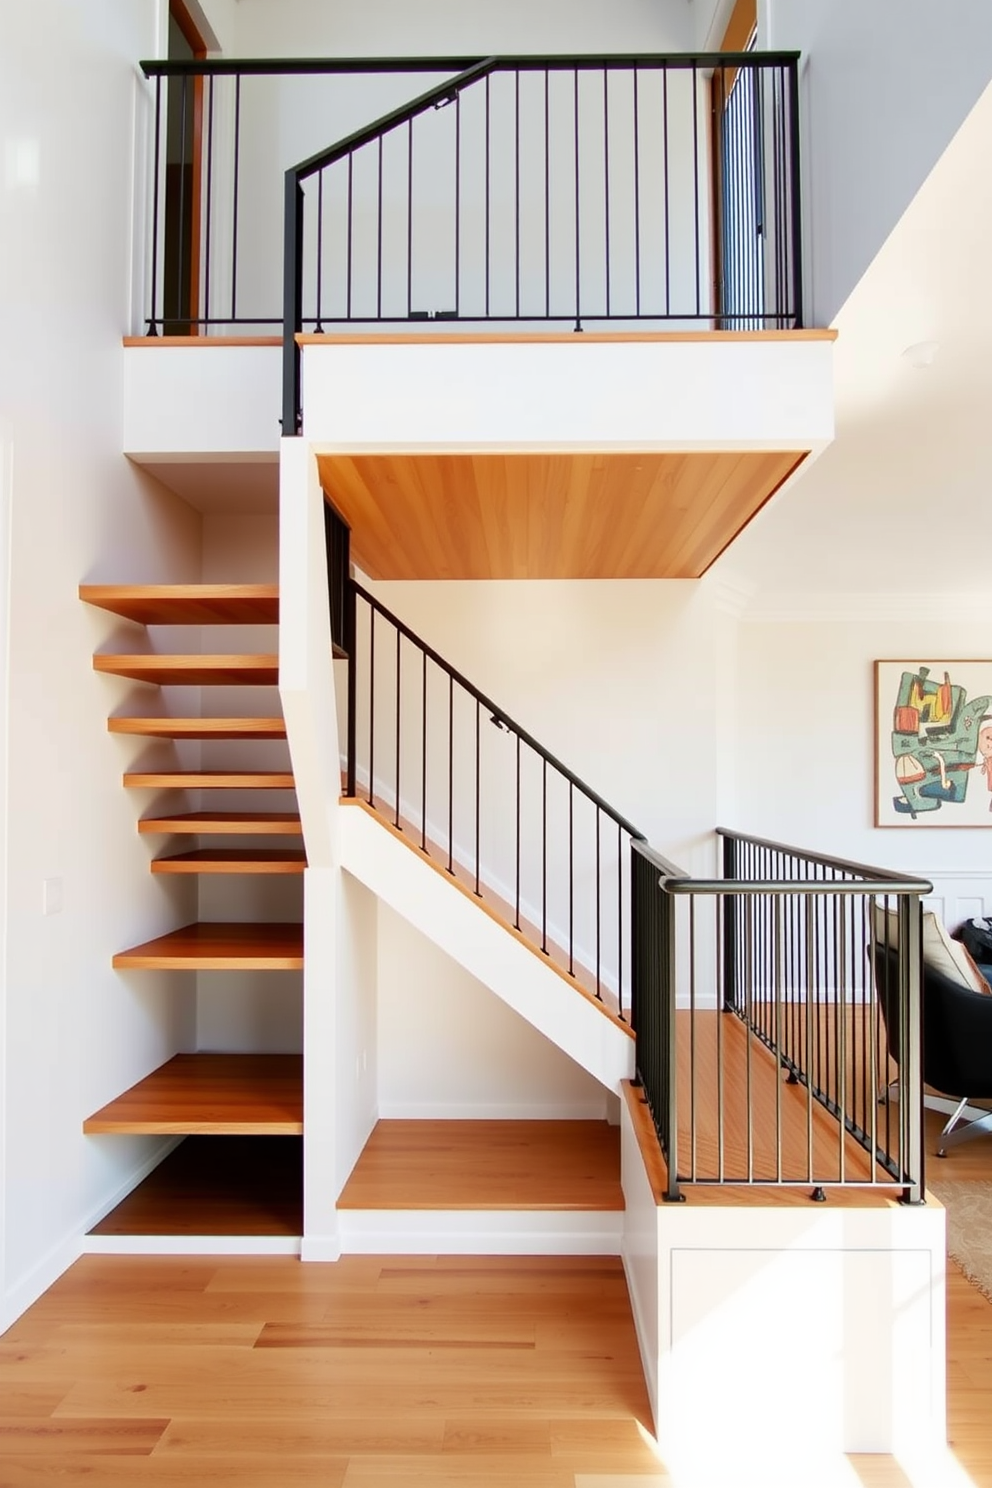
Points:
x=187 y=604
x=218 y=946
x=202 y=670
x=199 y=728
x=555 y=957
x=210 y=780
x=210 y=1094
x=237 y=823
x=233 y=860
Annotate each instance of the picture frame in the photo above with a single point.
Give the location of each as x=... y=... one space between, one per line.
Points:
x=933 y=743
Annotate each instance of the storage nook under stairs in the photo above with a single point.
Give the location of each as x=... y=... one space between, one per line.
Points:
x=237 y=1167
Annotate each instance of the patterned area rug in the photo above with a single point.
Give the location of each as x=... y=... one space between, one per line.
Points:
x=969 y=1227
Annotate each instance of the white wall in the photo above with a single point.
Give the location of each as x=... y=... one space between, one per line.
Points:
x=881 y=99
x=75 y=1032
x=805 y=734
x=449 y=1048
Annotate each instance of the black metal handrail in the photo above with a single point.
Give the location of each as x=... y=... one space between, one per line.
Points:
x=557 y=851
x=602 y=228
x=792 y=941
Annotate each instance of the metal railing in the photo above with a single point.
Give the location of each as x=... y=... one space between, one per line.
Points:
x=771 y=1017
x=471 y=788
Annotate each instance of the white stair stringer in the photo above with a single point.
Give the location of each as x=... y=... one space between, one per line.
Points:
x=485 y=948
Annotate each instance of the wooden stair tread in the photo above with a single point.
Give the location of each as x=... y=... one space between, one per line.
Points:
x=233 y=860
x=256 y=670
x=211 y=1094
x=581 y=977
x=218 y=946
x=270 y=823
x=210 y=780
x=200 y=728
x=187 y=604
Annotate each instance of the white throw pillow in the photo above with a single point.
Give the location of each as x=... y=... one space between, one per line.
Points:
x=940 y=952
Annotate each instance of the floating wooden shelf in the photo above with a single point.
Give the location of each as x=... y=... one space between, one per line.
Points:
x=218 y=947
x=241 y=823
x=200 y=728
x=212 y=1094
x=234 y=860
x=210 y=780
x=193 y=671
x=229 y=1185
x=187 y=604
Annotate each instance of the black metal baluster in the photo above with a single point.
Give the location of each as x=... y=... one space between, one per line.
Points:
x=351 y=231
x=451 y=772
x=795 y=189
x=156 y=192
x=544 y=856
x=547 y=194
x=477 y=792
x=637 y=202
x=488 y=206
x=620 y=920
x=351 y=645
x=318 y=326
x=695 y=179
x=234 y=219
x=599 y=895
x=181 y=306
x=458 y=202
x=668 y=265
x=396 y=807
x=606 y=177
x=516 y=165
x=423 y=755
x=209 y=200
x=571 y=880
x=578 y=292
x=378 y=251
x=516 y=917
x=372 y=706
x=409 y=217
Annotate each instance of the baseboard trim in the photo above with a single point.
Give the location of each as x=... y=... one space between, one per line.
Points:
x=475 y=1232
x=214 y=1245
x=495 y=1111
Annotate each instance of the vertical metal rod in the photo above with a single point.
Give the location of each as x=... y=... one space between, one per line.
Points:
x=544 y=855
x=516 y=916
x=670 y=1053
x=795 y=197
x=351 y=645
x=606 y=177
x=578 y=307
x=810 y=971
x=488 y=201
x=599 y=895
x=372 y=705
x=516 y=167
x=695 y=176
x=777 y=993
x=351 y=229
x=234 y=221
x=571 y=878
x=209 y=198
x=620 y=920
x=423 y=754
x=292 y=303
x=749 y=912
x=458 y=201
x=477 y=792
x=547 y=193
x=378 y=249
x=637 y=202
x=409 y=217
x=182 y=308
x=156 y=193
x=320 y=248
x=399 y=713
x=692 y=1038
x=911 y=1091
x=722 y=951
x=451 y=771
x=841 y=1002
x=668 y=266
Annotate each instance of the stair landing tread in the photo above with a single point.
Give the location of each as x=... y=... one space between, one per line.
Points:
x=187 y=604
x=210 y=780
x=281 y=823
x=251 y=1094
x=233 y=860
x=219 y=946
x=200 y=728
x=257 y=669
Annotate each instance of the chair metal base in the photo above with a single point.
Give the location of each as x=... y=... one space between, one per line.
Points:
x=953 y=1134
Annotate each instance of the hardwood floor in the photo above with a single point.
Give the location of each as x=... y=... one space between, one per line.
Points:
x=515 y=1372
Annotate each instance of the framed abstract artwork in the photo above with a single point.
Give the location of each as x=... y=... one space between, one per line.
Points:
x=933 y=743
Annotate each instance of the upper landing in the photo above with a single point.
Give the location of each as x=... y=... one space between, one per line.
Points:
x=498 y=455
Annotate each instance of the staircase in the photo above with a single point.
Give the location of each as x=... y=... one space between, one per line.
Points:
x=209 y=1094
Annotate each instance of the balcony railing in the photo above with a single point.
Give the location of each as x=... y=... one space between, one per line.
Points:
x=573 y=191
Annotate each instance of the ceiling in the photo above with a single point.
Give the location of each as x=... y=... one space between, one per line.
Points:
x=899 y=503
x=547 y=516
